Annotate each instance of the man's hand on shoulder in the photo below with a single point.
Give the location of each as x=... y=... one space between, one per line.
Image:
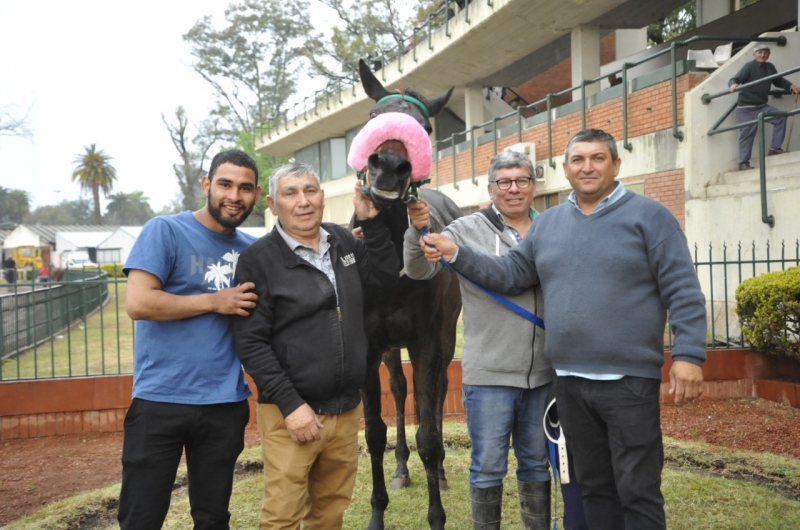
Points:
x=303 y=425
x=685 y=381
x=235 y=300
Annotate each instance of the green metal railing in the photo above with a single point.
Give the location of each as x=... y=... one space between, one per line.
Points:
x=65 y=328
x=548 y=100
x=766 y=217
x=721 y=274
x=77 y=329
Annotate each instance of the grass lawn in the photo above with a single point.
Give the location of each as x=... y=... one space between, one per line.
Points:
x=103 y=344
x=693 y=499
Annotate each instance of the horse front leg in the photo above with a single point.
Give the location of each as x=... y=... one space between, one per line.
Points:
x=375 y=434
x=399 y=387
x=443 y=382
x=427 y=377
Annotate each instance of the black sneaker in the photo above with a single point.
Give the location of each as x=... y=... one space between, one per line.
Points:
x=745 y=166
x=777 y=151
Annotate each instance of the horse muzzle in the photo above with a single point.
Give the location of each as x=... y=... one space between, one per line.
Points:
x=388 y=178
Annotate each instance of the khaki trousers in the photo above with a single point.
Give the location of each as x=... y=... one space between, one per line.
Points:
x=310 y=483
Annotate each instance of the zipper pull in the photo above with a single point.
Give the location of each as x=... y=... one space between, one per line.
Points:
x=339 y=311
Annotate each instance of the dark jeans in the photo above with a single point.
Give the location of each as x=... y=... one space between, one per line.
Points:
x=613 y=431
x=155 y=435
x=747 y=135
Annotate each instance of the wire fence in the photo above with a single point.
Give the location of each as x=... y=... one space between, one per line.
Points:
x=79 y=328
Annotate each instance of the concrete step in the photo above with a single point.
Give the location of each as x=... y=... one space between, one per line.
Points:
x=778 y=166
x=753 y=185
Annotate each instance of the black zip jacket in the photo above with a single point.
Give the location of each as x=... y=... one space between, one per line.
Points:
x=297 y=344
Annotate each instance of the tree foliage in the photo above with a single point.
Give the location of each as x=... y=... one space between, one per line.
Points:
x=13 y=123
x=193 y=153
x=674 y=24
x=14 y=205
x=252 y=61
x=266 y=165
x=367 y=29
x=128 y=209
x=77 y=212
x=94 y=172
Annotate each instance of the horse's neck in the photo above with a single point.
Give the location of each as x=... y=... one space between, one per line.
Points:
x=396 y=219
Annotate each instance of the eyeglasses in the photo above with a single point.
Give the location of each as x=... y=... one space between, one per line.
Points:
x=505 y=184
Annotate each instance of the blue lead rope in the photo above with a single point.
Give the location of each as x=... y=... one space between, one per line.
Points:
x=521 y=311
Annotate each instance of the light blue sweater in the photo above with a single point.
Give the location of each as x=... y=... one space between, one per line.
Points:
x=608 y=280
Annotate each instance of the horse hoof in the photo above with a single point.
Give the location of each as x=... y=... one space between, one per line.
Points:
x=400 y=482
x=443 y=484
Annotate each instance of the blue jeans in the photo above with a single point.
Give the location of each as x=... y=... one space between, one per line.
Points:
x=613 y=431
x=497 y=415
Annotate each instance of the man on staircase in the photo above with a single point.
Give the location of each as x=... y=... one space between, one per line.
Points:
x=753 y=101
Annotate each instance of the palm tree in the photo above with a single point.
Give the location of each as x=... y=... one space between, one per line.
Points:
x=128 y=208
x=94 y=172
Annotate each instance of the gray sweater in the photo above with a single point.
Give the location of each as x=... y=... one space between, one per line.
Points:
x=608 y=280
x=500 y=348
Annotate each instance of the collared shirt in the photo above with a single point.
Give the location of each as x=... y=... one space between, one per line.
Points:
x=619 y=191
x=532 y=213
x=320 y=260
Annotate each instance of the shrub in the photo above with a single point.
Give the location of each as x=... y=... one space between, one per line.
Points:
x=114 y=270
x=769 y=311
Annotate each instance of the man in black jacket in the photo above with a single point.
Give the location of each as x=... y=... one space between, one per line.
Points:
x=753 y=101
x=305 y=347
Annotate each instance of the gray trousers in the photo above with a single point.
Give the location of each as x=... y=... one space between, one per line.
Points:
x=747 y=135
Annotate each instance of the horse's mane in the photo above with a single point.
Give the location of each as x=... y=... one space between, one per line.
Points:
x=414 y=94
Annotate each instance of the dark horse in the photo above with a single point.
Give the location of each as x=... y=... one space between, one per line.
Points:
x=418 y=315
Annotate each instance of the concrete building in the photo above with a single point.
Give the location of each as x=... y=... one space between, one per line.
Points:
x=535 y=50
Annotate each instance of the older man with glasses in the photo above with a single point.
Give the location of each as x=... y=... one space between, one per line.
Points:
x=506 y=377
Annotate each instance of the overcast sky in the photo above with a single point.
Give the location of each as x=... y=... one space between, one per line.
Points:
x=98 y=72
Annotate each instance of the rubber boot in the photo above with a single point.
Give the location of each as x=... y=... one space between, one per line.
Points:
x=534 y=504
x=487 y=507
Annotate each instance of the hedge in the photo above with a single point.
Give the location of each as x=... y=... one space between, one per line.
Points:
x=769 y=311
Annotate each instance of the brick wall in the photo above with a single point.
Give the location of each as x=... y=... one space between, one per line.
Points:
x=649 y=111
x=559 y=77
x=31 y=409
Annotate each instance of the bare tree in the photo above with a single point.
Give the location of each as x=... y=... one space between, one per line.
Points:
x=193 y=153
x=12 y=124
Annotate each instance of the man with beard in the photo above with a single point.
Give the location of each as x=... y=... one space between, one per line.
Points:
x=188 y=388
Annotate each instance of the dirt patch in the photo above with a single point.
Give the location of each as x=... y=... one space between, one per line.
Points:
x=38 y=471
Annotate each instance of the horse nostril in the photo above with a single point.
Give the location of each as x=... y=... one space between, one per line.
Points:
x=403 y=168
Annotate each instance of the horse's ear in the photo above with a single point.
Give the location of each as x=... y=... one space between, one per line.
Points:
x=437 y=103
x=372 y=86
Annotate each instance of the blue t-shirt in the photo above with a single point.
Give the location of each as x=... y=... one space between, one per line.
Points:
x=190 y=361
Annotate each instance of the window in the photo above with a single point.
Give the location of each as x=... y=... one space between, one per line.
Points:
x=545 y=201
x=328 y=158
